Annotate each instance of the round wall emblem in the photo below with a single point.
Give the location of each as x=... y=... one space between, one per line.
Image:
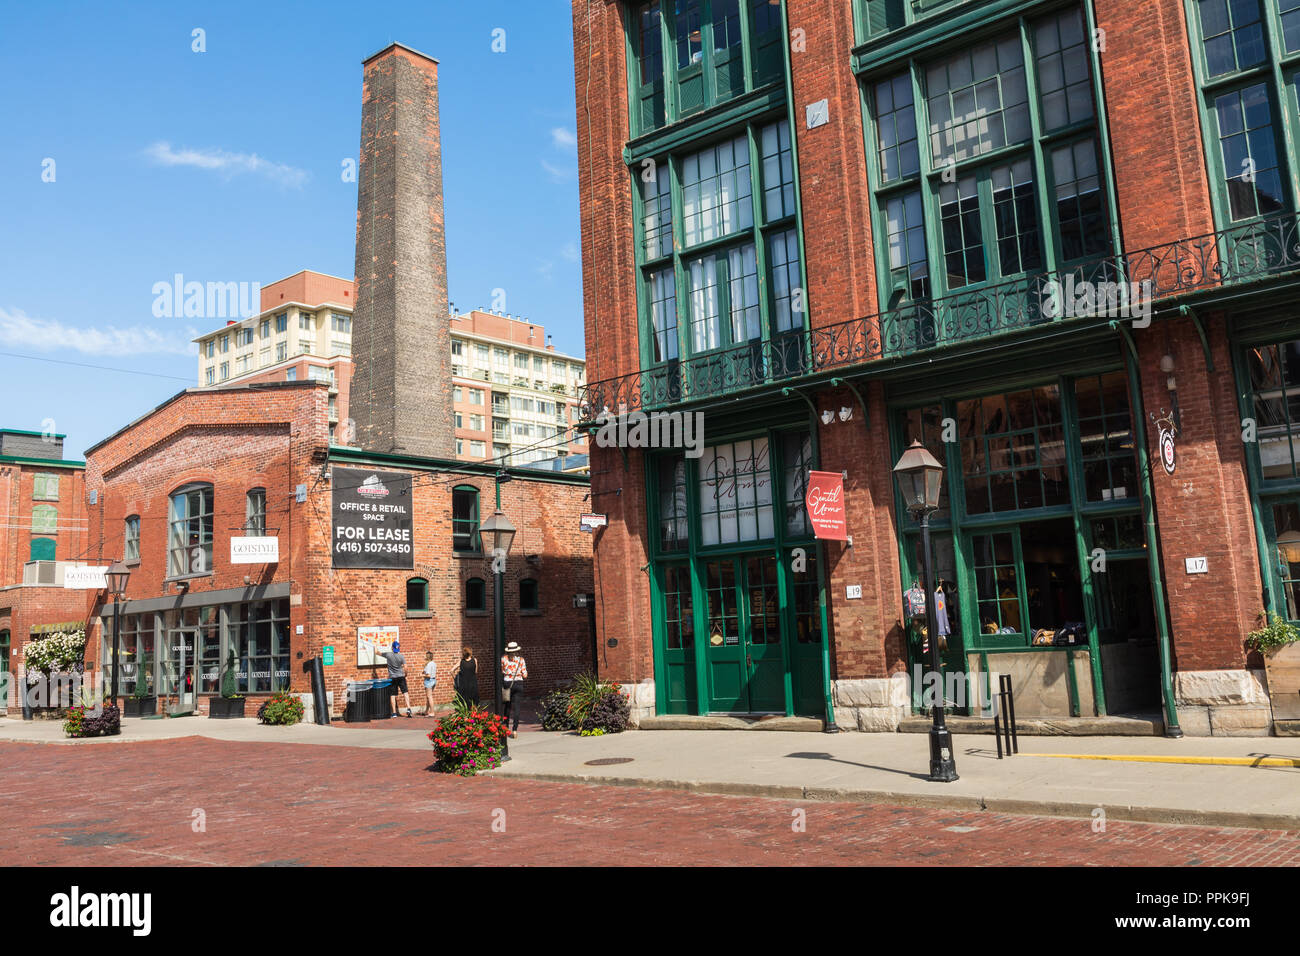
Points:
x=1168 y=456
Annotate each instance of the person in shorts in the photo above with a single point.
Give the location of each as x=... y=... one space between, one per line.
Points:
x=397 y=674
x=430 y=682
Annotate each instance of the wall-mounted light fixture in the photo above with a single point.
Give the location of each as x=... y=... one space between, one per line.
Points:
x=846 y=412
x=828 y=416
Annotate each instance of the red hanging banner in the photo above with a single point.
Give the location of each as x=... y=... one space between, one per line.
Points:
x=825 y=503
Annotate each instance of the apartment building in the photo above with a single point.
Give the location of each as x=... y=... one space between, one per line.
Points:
x=303 y=332
x=1054 y=241
x=514 y=397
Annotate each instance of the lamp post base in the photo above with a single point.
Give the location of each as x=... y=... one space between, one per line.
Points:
x=943 y=768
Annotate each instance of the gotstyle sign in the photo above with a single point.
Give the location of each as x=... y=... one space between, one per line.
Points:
x=372 y=525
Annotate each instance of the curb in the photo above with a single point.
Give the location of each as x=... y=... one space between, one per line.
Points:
x=963 y=802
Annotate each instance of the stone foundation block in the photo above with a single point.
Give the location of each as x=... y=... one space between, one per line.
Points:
x=1241 y=721
x=1219 y=688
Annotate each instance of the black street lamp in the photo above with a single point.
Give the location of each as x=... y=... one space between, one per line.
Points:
x=919 y=477
x=117 y=575
x=496 y=535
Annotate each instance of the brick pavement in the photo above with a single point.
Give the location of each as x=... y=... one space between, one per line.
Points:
x=312 y=806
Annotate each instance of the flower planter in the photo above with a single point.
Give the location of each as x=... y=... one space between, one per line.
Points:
x=226 y=708
x=139 y=706
x=1283 y=668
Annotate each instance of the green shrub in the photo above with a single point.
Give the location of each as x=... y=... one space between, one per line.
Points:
x=107 y=723
x=281 y=708
x=610 y=715
x=1278 y=632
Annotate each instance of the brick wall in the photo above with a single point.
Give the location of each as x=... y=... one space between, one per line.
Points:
x=401 y=386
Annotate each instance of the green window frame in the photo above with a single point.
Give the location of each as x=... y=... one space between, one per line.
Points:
x=1246 y=59
x=465 y=519
x=131 y=539
x=263 y=645
x=45 y=487
x=1009 y=175
x=1273 y=390
x=4 y=652
x=417 y=594
x=686 y=56
x=45 y=519
x=718 y=246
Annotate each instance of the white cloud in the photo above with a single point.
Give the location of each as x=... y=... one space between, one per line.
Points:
x=569 y=252
x=562 y=138
x=19 y=330
x=226 y=163
x=559 y=174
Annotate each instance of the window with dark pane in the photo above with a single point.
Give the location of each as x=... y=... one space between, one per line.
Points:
x=1288 y=12
x=475 y=595
x=528 y=595
x=1275 y=393
x=1064 y=73
x=896 y=139
x=963 y=242
x=926 y=425
x=464 y=519
x=1013 y=451
x=1080 y=201
x=656 y=210
x=679 y=625
x=417 y=594
x=807 y=602
x=1232 y=36
x=1252 y=179
x=1015 y=214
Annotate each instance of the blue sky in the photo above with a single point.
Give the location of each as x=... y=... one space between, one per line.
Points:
x=226 y=166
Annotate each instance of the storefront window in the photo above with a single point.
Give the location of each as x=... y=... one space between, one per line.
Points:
x=926 y=425
x=262 y=651
x=1119 y=534
x=1275 y=380
x=135 y=653
x=796 y=455
x=764 y=606
x=724 y=615
x=735 y=490
x=1053 y=592
x=1286 y=527
x=672 y=504
x=997 y=586
x=1013 y=451
x=1106 y=435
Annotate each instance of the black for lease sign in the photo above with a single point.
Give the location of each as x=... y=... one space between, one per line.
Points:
x=372 y=519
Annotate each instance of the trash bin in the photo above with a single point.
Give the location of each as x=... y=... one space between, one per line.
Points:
x=381 y=706
x=359 y=706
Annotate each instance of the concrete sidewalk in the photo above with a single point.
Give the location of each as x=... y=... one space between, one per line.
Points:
x=855 y=767
x=892 y=768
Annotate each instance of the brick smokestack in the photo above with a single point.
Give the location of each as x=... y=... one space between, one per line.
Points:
x=401 y=340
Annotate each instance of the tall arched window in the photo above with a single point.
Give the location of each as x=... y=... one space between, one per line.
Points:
x=189 y=537
x=255 y=512
x=131 y=544
x=464 y=518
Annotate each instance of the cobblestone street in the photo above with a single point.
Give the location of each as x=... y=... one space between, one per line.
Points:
x=197 y=801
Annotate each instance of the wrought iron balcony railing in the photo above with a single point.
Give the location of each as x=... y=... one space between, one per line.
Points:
x=1120 y=287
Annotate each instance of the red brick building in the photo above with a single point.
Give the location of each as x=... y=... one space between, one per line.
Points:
x=43 y=530
x=254 y=463
x=1018 y=231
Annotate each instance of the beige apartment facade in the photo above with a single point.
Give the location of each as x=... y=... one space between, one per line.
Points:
x=514 y=397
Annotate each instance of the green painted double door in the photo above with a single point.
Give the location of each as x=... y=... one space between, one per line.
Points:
x=742 y=648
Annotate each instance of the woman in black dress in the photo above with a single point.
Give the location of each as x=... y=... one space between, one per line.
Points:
x=465 y=677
